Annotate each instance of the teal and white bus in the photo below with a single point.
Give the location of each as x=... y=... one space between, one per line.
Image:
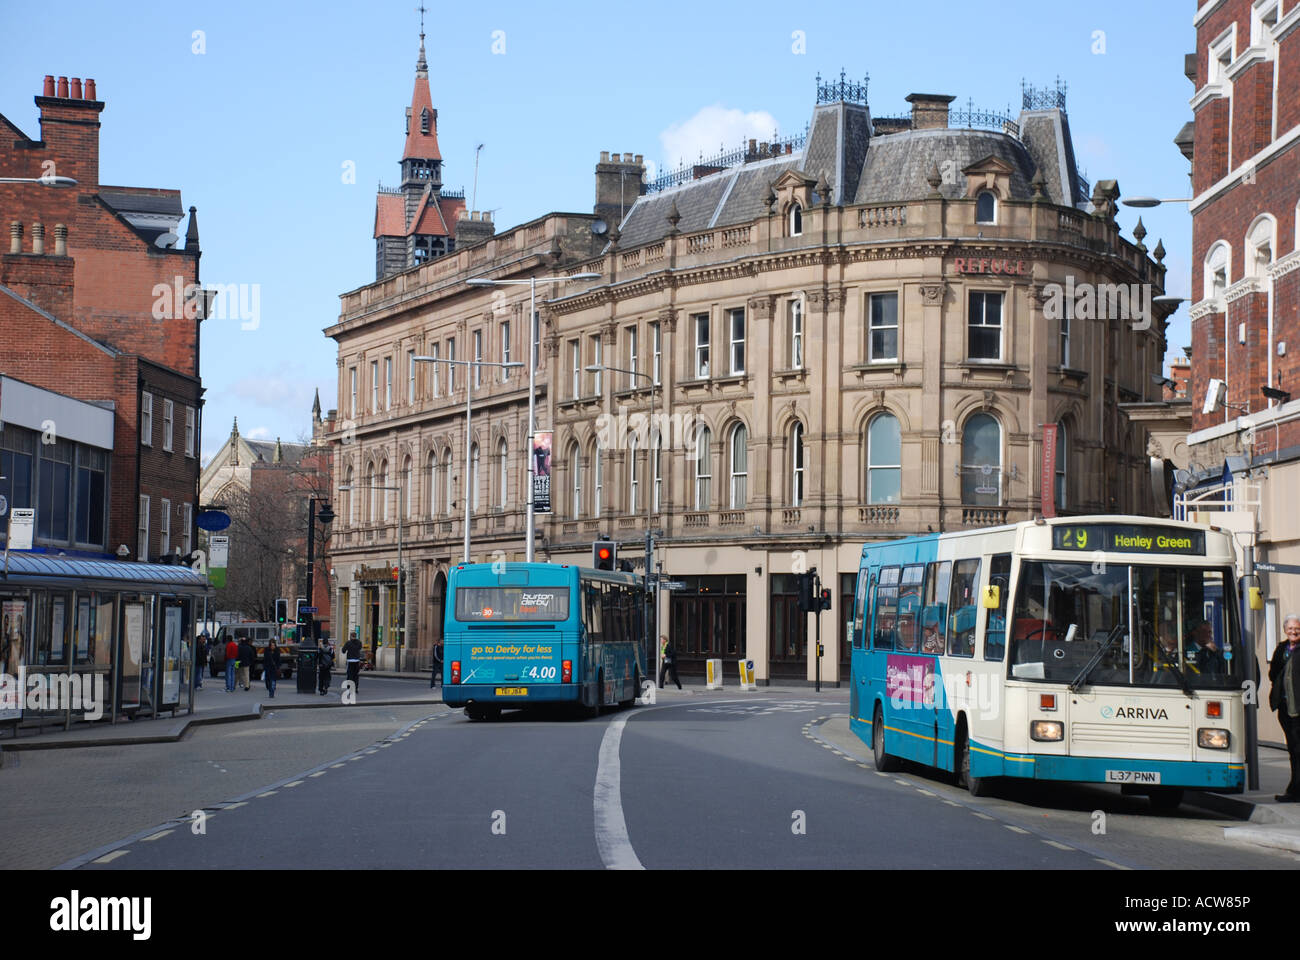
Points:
x=517 y=634
x=1100 y=649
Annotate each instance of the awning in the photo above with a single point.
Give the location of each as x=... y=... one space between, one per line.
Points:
x=30 y=569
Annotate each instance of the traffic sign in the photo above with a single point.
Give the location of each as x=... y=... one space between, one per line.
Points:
x=307 y=610
x=212 y=520
x=672 y=584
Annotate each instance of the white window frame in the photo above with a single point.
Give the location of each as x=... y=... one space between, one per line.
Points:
x=448 y=480
x=383 y=482
x=146 y=419
x=700 y=322
x=505 y=349
x=353 y=374
x=1065 y=340
x=703 y=470
x=410 y=377
x=190 y=417
x=632 y=358
x=575 y=359
x=739 y=488
x=503 y=477
x=478 y=357
x=187 y=518
x=374 y=386
x=656 y=340
x=597 y=486
x=142 y=530
x=404 y=481
x=388 y=383
x=633 y=480
x=575 y=482
x=1001 y=324
x=794 y=219
x=597 y=361
x=992 y=220
x=798 y=465
x=736 y=351
x=165 y=527
x=168 y=417
x=873 y=466
x=431 y=473
x=658 y=448
x=895 y=326
x=1061 y=478
x=794 y=311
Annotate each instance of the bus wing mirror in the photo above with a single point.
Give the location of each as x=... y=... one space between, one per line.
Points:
x=992 y=597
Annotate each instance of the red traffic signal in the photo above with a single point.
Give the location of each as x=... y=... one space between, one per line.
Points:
x=825 y=600
x=604 y=553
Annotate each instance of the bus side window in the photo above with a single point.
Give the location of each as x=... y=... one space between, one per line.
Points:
x=995 y=621
x=886 y=609
x=909 y=608
x=859 y=608
x=934 y=612
x=962 y=607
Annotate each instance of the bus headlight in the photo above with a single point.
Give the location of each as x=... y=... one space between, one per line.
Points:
x=1212 y=738
x=1046 y=730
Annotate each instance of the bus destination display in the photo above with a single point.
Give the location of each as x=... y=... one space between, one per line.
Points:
x=1129 y=538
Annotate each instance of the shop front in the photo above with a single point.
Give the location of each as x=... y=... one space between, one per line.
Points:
x=95 y=639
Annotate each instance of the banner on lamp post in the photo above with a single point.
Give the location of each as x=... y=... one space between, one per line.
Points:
x=1047 y=482
x=542 y=472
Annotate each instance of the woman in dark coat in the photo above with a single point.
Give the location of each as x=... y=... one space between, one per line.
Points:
x=271 y=667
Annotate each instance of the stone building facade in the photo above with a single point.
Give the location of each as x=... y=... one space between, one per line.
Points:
x=853 y=336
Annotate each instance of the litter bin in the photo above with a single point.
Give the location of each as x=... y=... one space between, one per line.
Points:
x=308 y=660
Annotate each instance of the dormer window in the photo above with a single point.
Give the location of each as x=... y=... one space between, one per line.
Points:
x=796 y=220
x=986 y=208
x=424 y=120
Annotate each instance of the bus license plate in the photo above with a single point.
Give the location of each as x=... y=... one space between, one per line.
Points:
x=1133 y=776
x=512 y=691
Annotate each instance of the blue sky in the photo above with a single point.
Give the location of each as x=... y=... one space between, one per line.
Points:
x=256 y=129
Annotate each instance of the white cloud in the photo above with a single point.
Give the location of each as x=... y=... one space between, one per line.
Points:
x=711 y=130
x=257 y=433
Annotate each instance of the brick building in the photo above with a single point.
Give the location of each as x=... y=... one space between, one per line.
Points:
x=857 y=325
x=99 y=300
x=1244 y=146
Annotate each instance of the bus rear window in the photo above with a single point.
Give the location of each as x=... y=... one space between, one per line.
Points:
x=511 y=604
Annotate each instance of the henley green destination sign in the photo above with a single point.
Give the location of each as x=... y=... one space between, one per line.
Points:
x=1129 y=538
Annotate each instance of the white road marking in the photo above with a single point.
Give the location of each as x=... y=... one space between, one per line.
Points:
x=611 y=829
x=110 y=857
x=1015 y=829
x=269 y=793
x=926 y=792
x=1058 y=846
x=157 y=836
x=235 y=806
x=318 y=773
x=1111 y=863
x=294 y=784
x=982 y=816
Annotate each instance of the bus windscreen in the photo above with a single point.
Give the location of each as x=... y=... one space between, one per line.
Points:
x=512 y=604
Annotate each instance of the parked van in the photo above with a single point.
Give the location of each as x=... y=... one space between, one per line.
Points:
x=260 y=635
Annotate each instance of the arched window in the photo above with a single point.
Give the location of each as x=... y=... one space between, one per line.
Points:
x=1062 y=465
x=380 y=483
x=739 y=467
x=986 y=207
x=1260 y=245
x=473 y=478
x=350 y=504
x=798 y=465
x=597 y=480
x=373 y=511
x=703 y=472
x=575 y=471
x=981 y=462
x=658 y=472
x=433 y=484
x=405 y=484
x=632 y=477
x=1218 y=270
x=450 y=491
x=502 y=476
x=796 y=220
x=884 y=460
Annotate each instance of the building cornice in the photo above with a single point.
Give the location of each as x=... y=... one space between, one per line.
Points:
x=1206 y=308
x=1205 y=10
x=1250 y=55
x=1288 y=23
x=1211 y=91
x=1242 y=288
x=1288 y=263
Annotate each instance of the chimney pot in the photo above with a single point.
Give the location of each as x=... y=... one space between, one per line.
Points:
x=753 y=146
x=627 y=158
x=60 y=239
x=76 y=88
x=48 y=90
x=90 y=89
x=487 y=216
x=639 y=159
x=38 y=237
x=15 y=236
x=63 y=87
x=604 y=156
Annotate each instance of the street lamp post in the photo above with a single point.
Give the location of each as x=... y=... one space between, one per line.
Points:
x=652 y=596
x=532 y=386
x=326 y=516
x=50 y=181
x=469 y=393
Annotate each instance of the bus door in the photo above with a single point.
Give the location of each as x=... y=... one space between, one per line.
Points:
x=908 y=676
x=859 y=692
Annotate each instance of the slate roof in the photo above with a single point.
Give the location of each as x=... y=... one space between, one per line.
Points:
x=897 y=164
x=158 y=202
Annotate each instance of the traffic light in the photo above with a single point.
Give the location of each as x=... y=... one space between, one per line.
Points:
x=808 y=601
x=299 y=615
x=825 y=600
x=604 y=554
x=282 y=610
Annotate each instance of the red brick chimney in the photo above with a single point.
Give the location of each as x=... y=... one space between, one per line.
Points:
x=70 y=129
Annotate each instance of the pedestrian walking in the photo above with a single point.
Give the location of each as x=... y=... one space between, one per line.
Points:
x=200 y=659
x=436 y=675
x=352 y=655
x=668 y=665
x=232 y=658
x=1284 y=697
x=271 y=667
x=326 y=668
x=247 y=656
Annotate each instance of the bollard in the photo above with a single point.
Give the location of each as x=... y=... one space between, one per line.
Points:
x=747 y=675
x=713 y=674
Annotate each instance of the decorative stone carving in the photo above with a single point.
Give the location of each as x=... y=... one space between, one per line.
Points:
x=988 y=400
x=933 y=293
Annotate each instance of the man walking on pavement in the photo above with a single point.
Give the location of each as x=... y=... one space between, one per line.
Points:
x=1284 y=697
x=246 y=657
x=232 y=654
x=326 y=666
x=352 y=654
x=669 y=662
x=200 y=659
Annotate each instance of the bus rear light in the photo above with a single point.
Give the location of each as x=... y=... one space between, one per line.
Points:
x=1046 y=730
x=1047 y=701
x=1212 y=738
x=566 y=672
x=1214 y=708
x=455 y=671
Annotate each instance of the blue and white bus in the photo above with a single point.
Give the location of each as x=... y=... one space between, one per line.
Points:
x=517 y=634
x=1099 y=649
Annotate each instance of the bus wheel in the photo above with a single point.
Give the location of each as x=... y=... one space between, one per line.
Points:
x=636 y=690
x=1166 y=799
x=474 y=712
x=977 y=786
x=885 y=762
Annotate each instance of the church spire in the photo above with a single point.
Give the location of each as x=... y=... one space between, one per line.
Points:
x=421 y=65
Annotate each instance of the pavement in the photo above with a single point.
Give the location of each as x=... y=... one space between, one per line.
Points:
x=1266 y=822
